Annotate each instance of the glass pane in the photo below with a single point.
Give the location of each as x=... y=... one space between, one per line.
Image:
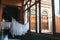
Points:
x=46 y=0
x=33 y=19
x=26 y=17
x=57 y=15
x=25 y=1
x=38 y=18
x=32 y=2
x=26 y=7
x=46 y=17
x=28 y=4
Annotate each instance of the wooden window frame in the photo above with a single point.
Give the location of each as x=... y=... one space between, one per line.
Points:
x=53 y=15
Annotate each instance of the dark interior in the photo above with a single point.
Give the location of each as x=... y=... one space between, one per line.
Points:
x=9 y=12
x=0 y=2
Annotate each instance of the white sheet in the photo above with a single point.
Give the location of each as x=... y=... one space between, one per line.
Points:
x=18 y=28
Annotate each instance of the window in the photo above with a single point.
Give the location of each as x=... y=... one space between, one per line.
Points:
x=32 y=11
x=44 y=21
x=44 y=13
x=26 y=6
x=48 y=0
x=25 y=1
x=37 y=17
x=57 y=16
x=36 y=14
x=26 y=17
x=46 y=18
x=33 y=19
x=32 y=2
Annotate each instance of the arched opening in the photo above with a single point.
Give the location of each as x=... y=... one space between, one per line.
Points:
x=44 y=20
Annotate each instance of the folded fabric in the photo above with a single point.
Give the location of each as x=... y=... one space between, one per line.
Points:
x=18 y=28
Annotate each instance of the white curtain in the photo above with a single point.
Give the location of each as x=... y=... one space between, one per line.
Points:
x=18 y=28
